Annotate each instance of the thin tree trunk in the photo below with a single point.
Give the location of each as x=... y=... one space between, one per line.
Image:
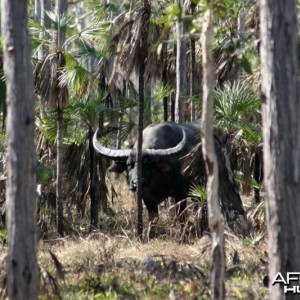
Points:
x=193 y=69
x=59 y=173
x=257 y=173
x=120 y=121
x=172 y=107
x=101 y=186
x=193 y=78
x=45 y=21
x=143 y=54
x=281 y=133
x=214 y=211
x=37 y=10
x=166 y=98
x=61 y=8
x=241 y=35
x=93 y=198
x=22 y=281
x=181 y=88
x=247 y=178
x=4 y=110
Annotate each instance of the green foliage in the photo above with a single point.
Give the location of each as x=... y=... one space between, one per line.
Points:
x=252 y=132
x=47 y=124
x=3 y=144
x=44 y=173
x=253 y=239
x=85 y=112
x=162 y=91
x=199 y=192
x=236 y=108
x=3 y=236
x=255 y=184
x=235 y=103
x=159 y=93
x=75 y=76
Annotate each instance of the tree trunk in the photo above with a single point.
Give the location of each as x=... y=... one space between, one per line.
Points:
x=93 y=198
x=120 y=121
x=172 y=107
x=241 y=35
x=45 y=21
x=37 y=10
x=166 y=98
x=61 y=8
x=214 y=211
x=101 y=187
x=22 y=281
x=181 y=89
x=59 y=173
x=281 y=133
x=143 y=54
x=193 y=79
x=246 y=169
x=193 y=70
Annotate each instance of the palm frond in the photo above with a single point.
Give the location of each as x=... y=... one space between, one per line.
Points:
x=74 y=76
x=87 y=52
x=234 y=104
x=48 y=125
x=198 y=191
x=252 y=133
x=86 y=112
x=161 y=91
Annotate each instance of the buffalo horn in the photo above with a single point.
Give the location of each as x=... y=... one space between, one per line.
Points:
x=168 y=151
x=119 y=154
x=111 y=153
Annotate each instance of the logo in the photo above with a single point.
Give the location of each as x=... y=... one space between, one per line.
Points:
x=291 y=282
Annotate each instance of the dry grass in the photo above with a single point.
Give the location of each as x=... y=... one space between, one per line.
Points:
x=111 y=263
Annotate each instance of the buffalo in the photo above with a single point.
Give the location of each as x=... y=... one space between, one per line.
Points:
x=165 y=151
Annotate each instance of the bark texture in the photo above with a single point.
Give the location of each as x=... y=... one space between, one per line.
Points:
x=181 y=87
x=211 y=163
x=61 y=9
x=281 y=133
x=145 y=17
x=22 y=280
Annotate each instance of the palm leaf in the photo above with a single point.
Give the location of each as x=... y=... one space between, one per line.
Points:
x=234 y=104
x=252 y=133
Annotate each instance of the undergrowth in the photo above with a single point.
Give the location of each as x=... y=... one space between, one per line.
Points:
x=110 y=263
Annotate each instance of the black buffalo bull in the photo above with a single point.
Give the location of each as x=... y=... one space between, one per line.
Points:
x=165 y=150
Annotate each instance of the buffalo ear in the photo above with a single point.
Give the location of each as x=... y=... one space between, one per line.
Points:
x=117 y=167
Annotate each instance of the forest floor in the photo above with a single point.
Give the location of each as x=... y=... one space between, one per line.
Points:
x=110 y=263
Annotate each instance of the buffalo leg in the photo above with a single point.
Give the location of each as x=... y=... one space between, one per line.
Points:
x=182 y=191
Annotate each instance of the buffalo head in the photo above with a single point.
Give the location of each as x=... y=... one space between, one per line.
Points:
x=154 y=161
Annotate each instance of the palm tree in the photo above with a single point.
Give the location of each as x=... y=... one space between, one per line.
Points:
x=63 y=72
x=61 y=99
x=235 y=39
x=238 y=116
x=51 y=82
x=85 y=117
